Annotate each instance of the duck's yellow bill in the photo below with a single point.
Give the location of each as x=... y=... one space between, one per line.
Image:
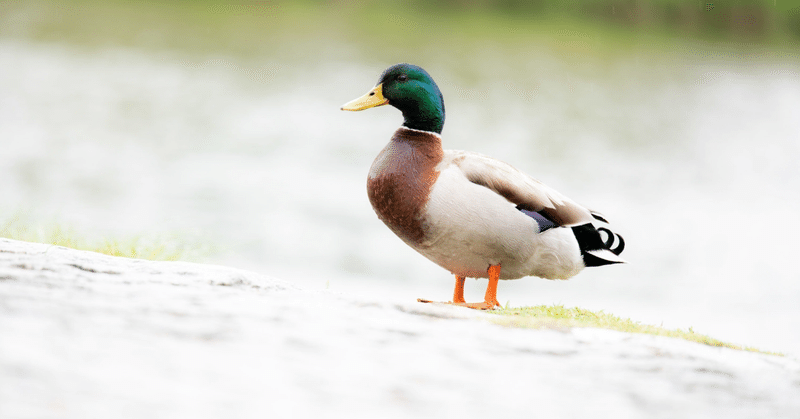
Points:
x=372 y=99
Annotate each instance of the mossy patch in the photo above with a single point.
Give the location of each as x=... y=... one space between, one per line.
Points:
x=19 y=227
x=558 y=316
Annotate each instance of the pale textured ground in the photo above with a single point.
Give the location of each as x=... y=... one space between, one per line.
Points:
x=85 y=335
x=693 y=159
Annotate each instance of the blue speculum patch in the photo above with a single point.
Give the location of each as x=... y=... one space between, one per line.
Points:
x=544 y=222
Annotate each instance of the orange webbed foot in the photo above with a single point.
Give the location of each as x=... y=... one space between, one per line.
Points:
x=490 y=300
x=483 y=305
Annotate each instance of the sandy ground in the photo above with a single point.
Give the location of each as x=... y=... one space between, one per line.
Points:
x=86 y=335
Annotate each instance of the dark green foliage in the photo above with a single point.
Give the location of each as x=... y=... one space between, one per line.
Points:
x=753 y=18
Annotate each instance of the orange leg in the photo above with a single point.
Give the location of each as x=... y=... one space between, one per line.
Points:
x=458 y=293
x=489 y=300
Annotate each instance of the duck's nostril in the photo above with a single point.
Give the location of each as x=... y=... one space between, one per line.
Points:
x=372 y=93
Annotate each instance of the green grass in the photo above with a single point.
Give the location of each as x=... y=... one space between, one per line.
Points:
x=167 y=248
x=558 y=316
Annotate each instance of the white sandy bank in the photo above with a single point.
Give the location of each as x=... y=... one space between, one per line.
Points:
x=86 y=335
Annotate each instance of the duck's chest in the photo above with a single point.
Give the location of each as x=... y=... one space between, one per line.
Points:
x=400 y=181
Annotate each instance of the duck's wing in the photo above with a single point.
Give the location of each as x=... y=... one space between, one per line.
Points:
x=518 y=188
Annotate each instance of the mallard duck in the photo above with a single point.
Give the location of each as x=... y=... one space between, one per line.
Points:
x=473 y=215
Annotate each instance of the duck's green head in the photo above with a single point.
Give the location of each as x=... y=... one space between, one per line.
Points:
x=410 y=89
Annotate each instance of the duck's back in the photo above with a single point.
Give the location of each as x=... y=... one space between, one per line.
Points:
x=471 y=226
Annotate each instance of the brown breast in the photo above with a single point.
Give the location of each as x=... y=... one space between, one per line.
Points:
x=401 y=178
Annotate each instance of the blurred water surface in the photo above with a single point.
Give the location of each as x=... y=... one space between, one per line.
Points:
x=693 y=158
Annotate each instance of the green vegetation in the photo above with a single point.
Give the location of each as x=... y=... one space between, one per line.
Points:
x=282 y=29
x=758 y=18
x=20 y=228
x=558 y=316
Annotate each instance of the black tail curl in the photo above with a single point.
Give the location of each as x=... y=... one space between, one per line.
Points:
x=592 y=244
x=610 y=240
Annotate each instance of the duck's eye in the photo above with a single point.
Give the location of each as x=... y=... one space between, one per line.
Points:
x=402 y=77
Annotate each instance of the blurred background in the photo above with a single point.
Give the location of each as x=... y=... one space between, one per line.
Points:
x=215 y=128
